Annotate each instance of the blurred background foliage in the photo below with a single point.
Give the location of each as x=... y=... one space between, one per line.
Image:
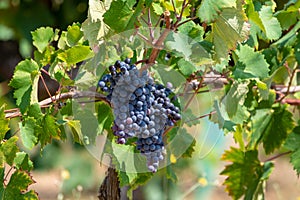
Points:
x=19 y=17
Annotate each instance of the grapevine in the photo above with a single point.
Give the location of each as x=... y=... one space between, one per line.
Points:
x=138 y=76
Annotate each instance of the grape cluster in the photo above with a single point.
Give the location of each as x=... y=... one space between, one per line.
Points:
x=141 y=108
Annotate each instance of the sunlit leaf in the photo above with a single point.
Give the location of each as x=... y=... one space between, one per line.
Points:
x=4 y=123
x=209 y=9
x=25 y=83
x=229 y=28
x=42 y=37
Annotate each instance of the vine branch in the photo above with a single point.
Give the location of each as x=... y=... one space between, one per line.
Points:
x=11 y=113
x=278 y=155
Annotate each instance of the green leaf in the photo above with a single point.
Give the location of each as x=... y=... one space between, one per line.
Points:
x=93 y=27
x=295 y=160
x=287 y=18
x=35 y=111
x=209 y=9
x=171 y=174
x=292 y=143
x=74 y=34
x=251 y=64
x=271 y=24
x=271 y=127
x=42 y=37
x=263 y=89
x=157 y=8
x=181 y=45
x=230 y=27
x=253 y=14
x=18 y=184
x=4 y=123
x=85 y=79
x=181 y=143
x=75 y=127
x=221 y=117
x=105 y=117
x=186 y=67
x=22 y=161
x=9 y=149
x=141 y=179
x=235 y=97
x=76 y=54
x=27 y=131
x=60 y=75
x=25 y=83
x=88 y=123
x=289 y=38
x=246 y=174
x=118 y=15
x=125 y=161
x=49 y=130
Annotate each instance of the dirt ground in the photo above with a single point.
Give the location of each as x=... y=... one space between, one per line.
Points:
x=282 y=185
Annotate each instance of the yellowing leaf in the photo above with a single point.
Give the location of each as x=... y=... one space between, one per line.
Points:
x=4 y=123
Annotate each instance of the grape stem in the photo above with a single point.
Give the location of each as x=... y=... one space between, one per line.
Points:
x=278 y=156
x=291 y=74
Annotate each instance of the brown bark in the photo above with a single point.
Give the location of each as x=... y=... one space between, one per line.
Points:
x=110 y=187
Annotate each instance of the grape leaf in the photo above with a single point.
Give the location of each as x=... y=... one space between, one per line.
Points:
x=4 y=123
x=180 y=44
x=229 y=28
x=245 y=174
x=251 y=64
x=23 y=162
x=221 y=117
x=292 y=143
x=75 y=127
x=73 y=35
x=186 y=67
x=18 y=184
x=289 y=38
x=289 y=16
x=209 y=9
x=25 y=83
x=105 y=117
x=235 y=97
x=27 y=131
x=85 y=79
x=125 y=162
x=49 y=129
x=76 y=54
x=88 y=123
x=9 y=149
x=181 y=143
x=271 y=126
x=253 y=14
x=271 y=25
x=140 y=180
x=157 y=8
x=42 y=37
x=171 y=175
x=93 y=27
x=118 y=16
